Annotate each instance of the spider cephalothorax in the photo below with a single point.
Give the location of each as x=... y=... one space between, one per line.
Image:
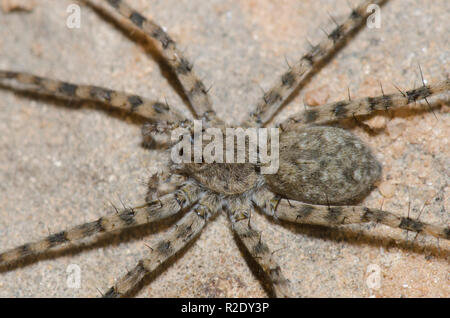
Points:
x=224 y=178
x=322 y=169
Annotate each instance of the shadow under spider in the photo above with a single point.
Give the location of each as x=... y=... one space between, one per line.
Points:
x=359 y=238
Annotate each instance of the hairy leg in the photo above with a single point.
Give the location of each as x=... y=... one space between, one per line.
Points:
x=365 y=106
x=164 y=207
x=273 y=99
x=298 y=212
x=186 y=229
x=251 y=238
x=130 y=102
x=193 y=87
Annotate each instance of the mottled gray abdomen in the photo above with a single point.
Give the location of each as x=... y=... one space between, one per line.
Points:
x=324 y=165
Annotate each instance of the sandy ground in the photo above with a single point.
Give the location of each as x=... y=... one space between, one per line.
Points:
x=62 y=163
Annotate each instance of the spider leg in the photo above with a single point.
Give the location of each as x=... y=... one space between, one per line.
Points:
x=365 y=106
x=273 y=99
x=251 y=238
x=186 y=229
x=163 y=182
x=298 y=212
x=130 y=102
x=193 y=87
x=164 y=207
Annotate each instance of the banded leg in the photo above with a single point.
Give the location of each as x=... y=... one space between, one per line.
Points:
x=193 y=87
x=251 y=238
x=130 y=102
x=298 y=212
x=186 y=229
x=365 y=106
x=164 y=207
x=271 y=102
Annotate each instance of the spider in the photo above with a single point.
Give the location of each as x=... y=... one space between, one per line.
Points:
x=274 y=206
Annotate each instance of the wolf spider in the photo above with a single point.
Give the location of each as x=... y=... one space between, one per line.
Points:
x=338 y=169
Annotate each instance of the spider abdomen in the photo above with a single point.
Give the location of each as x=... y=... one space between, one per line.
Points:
x=324 y=165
